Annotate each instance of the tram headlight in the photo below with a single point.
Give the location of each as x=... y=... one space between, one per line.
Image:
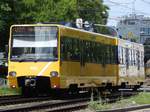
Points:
x=12 y=73
x=54 y=74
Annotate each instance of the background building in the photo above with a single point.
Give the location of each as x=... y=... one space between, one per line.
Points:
x=134 y=27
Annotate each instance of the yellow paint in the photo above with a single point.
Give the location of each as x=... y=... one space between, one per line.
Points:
x=87 y=73
x=31 y=69
x=87 y=36
x=12 y=82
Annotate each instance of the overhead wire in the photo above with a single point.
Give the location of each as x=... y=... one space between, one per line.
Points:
x=124 y=5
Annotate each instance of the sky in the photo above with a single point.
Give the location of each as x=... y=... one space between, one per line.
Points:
x=119 y=8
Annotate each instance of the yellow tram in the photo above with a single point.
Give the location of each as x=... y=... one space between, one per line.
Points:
x=54 y=56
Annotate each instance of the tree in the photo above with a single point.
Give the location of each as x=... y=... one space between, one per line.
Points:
x=32 y=11
x=93 y=10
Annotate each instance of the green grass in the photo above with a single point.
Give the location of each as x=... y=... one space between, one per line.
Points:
x=9 y=91
x=140 y=99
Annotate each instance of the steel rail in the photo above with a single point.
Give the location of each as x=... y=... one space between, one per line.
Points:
x=133 y=108
x=49 y=105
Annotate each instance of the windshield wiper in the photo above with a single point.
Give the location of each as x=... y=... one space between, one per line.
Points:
x=34 y=59
x=22 y=59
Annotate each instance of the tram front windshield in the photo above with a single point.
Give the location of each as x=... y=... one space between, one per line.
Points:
x=34 y=43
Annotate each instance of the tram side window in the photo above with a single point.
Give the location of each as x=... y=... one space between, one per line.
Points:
x=120 y=54
x=138 y=59
x=124 y=57
x=130 y=60
x=62 y=54
x=103 y=54
x=142 y=59
x=114 y=54
x=97 y=50
x=94 y=52
x=87 y=50
x=133 y=57
x=75 y=50
x=64 y=48
x=127 y=58
x=111 y=54
x=107 y=60
x=70 y=49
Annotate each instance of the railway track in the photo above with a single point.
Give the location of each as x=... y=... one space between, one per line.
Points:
x=135 y=108
x=2 y=98
x=51 y=104
x=20 y=99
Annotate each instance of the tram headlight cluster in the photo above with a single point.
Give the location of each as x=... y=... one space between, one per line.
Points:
x=54 y=74
x=12 y=73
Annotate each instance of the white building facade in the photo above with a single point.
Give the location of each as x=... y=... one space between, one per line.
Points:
x=134 y=27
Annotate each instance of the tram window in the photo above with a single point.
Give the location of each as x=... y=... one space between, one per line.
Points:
x=134 y=57
x=66 y=53
x=91 y=52
x=68 y=47
x=75 y=50
x=120 y=54
x=86 y=49
x=62 y=49
x=132 y=63
x=113 y=54
x=130 y=57
x=116 y=54
x=107 y=54
x=142 y=59
x=114 y=57
x=97 y=52
x=127 y=58
x=94 y=52
x=124 y=56
x=103 y=54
